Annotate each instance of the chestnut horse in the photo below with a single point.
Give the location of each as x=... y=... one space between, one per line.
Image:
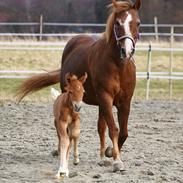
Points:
x=111 y=71
x=67 y=120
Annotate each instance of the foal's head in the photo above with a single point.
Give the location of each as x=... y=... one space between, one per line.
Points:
x=124 y=24
x=75 y=89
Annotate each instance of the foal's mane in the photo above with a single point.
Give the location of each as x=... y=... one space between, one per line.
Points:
x=119 y=6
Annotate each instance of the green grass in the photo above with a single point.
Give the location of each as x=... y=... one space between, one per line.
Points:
x=159 y=89
x=160 y=61
x=50 y=60
x=32 y=60
x=9 y=89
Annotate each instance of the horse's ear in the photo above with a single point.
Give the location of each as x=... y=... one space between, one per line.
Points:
x=82 y=79
x=114 y=3
x=137 y=4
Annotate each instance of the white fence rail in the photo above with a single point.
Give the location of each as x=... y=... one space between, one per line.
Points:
x=144 y=75
x=58 y=46
x=40 y=34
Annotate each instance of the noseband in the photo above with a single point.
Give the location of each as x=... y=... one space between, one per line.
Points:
x=122 y=49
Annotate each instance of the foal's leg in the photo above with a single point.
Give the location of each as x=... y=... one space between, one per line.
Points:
x=101 y=130
x=123 y=114
x=106 y=103
x=64 y=145
x=57 y=152
x=74 y=135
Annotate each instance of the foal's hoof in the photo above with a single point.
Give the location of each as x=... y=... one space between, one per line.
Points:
x=118 y=166
x=108 y=152
x=55 y=153
x=61 y=175
x=62 y=172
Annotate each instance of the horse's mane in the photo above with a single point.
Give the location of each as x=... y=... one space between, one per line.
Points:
x=118 y=7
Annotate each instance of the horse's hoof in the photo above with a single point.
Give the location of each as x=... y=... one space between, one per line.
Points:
x=55 y=153
x=108 y=152
x=76 y=161
x=104 y=163
x=118 y=166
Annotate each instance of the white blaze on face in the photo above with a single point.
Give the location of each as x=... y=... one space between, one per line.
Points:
x=128 y=42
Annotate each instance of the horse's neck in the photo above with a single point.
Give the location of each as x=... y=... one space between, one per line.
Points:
x=112 y=48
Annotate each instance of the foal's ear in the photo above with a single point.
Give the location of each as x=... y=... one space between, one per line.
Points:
x=69 y=77
x=137 y=4
x=82 y=79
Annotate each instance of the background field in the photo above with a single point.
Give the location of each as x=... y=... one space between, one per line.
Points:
x=50 y=60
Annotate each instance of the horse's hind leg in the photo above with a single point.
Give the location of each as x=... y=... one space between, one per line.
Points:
x=101 y=130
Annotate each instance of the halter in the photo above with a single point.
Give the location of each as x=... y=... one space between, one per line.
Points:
x=122 y=49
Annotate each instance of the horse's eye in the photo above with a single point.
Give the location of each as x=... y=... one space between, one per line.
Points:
x=117 y=23
x=138 y=24
x=70 y=91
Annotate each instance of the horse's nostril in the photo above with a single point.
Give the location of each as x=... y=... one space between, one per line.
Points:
x=77 y=108
x=123 y=53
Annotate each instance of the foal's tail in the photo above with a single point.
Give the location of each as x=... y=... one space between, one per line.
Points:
x=38 y=82
x=54 y=93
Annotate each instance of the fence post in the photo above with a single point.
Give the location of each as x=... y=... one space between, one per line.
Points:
x=148 y=71
x=171 y=63
x=41 y=28
x=156 y=28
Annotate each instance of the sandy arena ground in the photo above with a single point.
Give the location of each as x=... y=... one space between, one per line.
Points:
x=152 y=153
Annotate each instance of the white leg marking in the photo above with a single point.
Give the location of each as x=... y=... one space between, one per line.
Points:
x=63 y=159
x=128 y=42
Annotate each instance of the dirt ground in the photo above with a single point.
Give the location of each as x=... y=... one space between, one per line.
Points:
x=153 y=151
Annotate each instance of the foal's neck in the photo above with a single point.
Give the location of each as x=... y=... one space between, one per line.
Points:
x=67 y=100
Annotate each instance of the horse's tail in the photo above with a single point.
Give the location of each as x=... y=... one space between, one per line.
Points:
x=38 y=82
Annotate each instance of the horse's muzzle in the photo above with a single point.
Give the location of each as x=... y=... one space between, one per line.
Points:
x=123 y=54
x=77 y=106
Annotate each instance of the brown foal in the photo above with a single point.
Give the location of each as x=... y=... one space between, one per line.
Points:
x=67 y=121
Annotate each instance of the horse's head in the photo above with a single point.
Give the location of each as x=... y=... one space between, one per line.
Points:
x=75 y=89
x=126 y=24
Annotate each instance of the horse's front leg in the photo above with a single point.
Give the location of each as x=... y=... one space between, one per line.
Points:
x=74 y=136
x=123 y=114
x=57 y=152
x=101 y=131
x=105 y=104
x=64 y=148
